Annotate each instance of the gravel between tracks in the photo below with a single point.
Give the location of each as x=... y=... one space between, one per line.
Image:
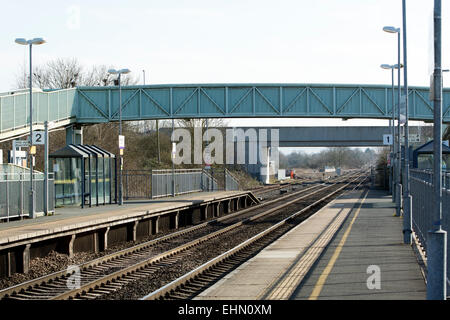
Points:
x=55 y=261
x=205 y=252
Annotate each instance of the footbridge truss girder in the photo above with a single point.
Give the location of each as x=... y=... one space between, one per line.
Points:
x=87 y=105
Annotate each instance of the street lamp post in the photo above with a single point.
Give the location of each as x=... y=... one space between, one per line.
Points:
x=398 y=189
x=121 y=147
x=392 y=127
x=407 y=199
x=35 y=41
x=173 y=159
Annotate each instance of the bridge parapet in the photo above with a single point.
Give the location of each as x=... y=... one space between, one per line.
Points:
x=100 y=104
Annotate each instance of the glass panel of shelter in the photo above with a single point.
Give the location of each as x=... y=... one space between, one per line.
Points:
x=106 y=183
x=101 y=179
x=84 y=173
x=88 y=166
x=93 y=175
x=68 y=177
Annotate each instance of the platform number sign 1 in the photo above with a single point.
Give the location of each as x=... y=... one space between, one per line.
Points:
x=38 y=137
x=387 y=139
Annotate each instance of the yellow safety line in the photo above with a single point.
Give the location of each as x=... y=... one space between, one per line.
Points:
x=323 y=277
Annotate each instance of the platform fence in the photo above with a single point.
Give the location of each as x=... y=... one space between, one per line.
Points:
x=231 y=182
x=149 y=184
x=422 y=192
x=14 y=194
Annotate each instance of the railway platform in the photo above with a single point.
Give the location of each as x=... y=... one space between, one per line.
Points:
x=73 y=229
x=350 y=249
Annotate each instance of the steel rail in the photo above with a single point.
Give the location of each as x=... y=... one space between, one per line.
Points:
x=62 y=273
x=120 y=274
x=185 y=279
x=275 y=187
x=30 y=285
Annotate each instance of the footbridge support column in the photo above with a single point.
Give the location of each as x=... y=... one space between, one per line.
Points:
x=74 y=135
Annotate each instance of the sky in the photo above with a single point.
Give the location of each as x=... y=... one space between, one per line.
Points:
x=233 y=41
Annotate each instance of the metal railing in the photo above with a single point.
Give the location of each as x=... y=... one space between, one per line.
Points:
x=427 y=175
x=209 y=181
x=231 y=182
x=148 y=184
x=137 y=184
x=422 y=192
x=185 y=181
x=14 y=194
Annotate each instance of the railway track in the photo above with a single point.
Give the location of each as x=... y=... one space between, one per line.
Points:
x=270 y=188
x=110 y=273
x=191 y=284
x=273 y=191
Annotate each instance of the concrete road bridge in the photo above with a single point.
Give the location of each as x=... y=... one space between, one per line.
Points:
x=299 y=137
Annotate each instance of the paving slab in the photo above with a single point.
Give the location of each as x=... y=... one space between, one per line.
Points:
x=68 y=218
x=374 y=239
x=339 y=245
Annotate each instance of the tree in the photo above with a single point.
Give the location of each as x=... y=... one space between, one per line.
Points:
x=283 y=161
x=334 y=157
x=64 y=73
x=446 y=134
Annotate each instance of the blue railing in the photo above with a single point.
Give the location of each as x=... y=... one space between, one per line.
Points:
x=101 y=104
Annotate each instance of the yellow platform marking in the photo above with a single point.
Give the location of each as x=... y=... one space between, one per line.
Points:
x=289 y=283
x=323 y=277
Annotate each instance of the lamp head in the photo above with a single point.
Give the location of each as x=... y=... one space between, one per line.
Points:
x=124 y=71
x=391 y=29
x=34 y=41
x=386 y=66
x=37 y=41
x=21 y=41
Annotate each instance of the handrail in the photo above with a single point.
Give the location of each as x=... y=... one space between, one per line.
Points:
x=235 y=180
x=419 y=174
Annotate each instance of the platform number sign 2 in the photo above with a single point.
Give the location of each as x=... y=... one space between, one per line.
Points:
x=38 y=137
x=387 y=139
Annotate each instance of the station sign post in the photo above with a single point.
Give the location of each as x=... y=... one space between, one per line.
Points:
x=387 y=139
x=38 y=138
x=121 y=148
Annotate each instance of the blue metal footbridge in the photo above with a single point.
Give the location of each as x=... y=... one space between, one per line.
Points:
x=90 y=105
